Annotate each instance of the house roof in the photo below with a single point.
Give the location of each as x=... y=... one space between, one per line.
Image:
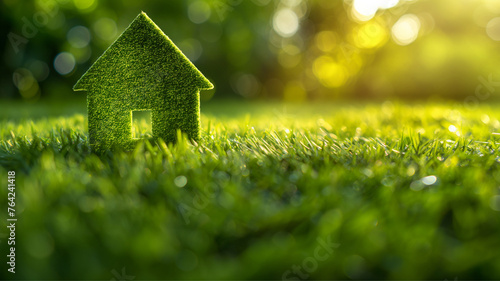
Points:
x=142 y=57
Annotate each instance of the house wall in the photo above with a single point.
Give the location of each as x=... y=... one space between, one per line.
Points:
x=110 y=125
x=182 y=112
x=110 y=119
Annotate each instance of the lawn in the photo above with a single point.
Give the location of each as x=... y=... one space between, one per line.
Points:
x=272 y=191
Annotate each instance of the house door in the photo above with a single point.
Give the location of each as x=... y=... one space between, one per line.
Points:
x=142 y=124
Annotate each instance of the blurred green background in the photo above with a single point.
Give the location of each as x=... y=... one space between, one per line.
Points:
x=291 y=50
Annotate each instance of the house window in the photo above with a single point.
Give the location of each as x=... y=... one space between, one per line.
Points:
x=141 y=124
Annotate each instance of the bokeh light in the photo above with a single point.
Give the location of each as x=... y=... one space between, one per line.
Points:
x=26 y=83
x=291 y=3
x=495 y=203
x=180 y=181
x=246 y=85
x=199 y=12
x=78 y=36
x=286 y=22
x=493 y=29
x=492 y=5
x=323 y=45
x=64 y=63
x=406 y=29
x=325 y=41
x=81 y=55
x=429 y=180
x=192 y=48
x=365 y=10
x=330 y=73
x=370 y=35
x=85 y=5
x=105 y=28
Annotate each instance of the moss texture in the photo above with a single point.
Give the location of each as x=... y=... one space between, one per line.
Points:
x=142 y=70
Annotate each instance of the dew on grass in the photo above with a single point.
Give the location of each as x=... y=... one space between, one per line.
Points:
x=423 y=182
x=369 y=173
x=430 y=180
x=180 y=181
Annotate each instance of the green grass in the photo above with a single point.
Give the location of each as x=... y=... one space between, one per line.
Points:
x=402 y=195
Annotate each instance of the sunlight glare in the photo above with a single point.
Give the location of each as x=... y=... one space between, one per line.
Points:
x=370 y=35
x=366 y=9
x=330 y=73
x=406 y=29
x=325 y=41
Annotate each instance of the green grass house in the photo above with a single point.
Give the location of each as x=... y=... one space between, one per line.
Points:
x=142 y=70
